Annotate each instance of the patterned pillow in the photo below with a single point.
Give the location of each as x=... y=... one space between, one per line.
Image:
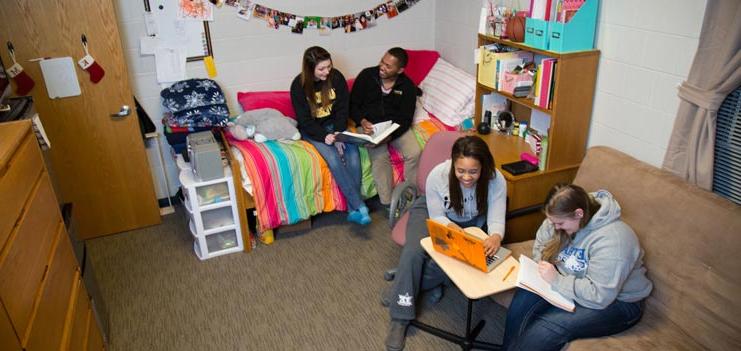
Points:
x=195 y=103
x=448 y=93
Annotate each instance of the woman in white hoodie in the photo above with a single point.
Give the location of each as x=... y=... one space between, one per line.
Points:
x=589 y=255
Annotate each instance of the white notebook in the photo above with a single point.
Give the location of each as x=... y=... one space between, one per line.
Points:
x=380 y=132
x=528 y=278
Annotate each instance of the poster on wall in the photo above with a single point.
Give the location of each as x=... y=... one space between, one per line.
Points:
x=191 y=34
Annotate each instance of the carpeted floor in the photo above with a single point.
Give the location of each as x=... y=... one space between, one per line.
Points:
x=313 y=290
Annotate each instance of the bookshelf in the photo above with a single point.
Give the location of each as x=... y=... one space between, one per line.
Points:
x=570 y=113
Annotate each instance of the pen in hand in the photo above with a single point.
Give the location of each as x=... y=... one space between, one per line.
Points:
x=512 y=268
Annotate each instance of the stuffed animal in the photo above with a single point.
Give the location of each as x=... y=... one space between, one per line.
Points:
x=264 y=124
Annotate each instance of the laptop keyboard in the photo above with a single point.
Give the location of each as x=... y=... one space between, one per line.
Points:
x=491 y=259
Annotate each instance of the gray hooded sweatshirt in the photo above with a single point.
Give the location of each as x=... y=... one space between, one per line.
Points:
x=603 y=261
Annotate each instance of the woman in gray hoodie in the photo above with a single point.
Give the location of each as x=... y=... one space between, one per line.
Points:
x=589 y=255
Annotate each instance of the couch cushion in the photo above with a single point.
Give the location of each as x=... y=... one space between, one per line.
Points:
x=653 y=332
x=691 y=237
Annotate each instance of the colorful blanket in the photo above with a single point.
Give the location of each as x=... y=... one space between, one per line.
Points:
x=291 y=182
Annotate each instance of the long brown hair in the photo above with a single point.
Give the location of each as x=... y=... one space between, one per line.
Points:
x=312 y=57
x=562 y=201
x=475 y=148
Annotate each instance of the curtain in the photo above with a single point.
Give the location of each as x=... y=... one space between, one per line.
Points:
x=715 y=72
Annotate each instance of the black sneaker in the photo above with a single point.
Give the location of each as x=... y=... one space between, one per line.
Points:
x=397 y=334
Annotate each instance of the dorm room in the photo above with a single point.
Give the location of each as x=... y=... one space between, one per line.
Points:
x=146 y=207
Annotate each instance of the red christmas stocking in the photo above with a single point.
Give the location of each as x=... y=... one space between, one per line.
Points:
x=89 y=64
x=23 y=82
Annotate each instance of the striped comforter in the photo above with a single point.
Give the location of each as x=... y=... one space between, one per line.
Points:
x=291 y=182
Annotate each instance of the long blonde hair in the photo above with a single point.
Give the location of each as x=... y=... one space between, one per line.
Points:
x=562 y=201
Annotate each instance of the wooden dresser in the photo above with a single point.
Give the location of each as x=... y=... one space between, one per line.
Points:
x=44 y=303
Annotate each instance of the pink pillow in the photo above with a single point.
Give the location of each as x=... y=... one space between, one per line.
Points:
x=420 y=63
x=279 y=100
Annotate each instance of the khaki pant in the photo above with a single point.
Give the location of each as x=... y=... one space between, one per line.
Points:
x=407 y=145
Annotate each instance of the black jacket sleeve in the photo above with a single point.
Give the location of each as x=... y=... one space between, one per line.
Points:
x=307 y=124
x=405 y=115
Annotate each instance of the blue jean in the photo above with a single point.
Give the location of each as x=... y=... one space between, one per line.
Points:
x=534 y=324
x=345 y=169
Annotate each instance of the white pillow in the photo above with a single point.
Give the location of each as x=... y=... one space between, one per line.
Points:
x=448 y=93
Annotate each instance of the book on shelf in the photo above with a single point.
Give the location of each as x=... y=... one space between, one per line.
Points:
x=528 y=278
x=567 y=9
x=546 y=82
x=380 y=132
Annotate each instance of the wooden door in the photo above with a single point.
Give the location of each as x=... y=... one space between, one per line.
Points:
x=98 y=160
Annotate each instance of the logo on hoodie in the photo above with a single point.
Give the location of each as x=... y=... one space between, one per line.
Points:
x=573 y=259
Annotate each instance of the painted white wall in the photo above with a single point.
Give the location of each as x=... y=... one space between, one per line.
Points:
x=456 y=27
x=249 y=56
x=647 y=50
x=646 y=54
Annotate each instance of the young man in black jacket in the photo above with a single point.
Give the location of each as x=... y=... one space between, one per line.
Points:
x=384 y=93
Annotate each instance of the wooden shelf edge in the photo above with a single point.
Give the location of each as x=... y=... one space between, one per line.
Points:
x=523 y=46
x=527 y=102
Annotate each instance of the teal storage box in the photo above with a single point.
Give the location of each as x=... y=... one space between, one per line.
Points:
x=578 y=33
x=536 y=33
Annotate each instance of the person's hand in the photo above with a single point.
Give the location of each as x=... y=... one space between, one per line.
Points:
x=547 y=271
x=340 y=147
x=367 y=126
x=491 y=244
x=329 y=139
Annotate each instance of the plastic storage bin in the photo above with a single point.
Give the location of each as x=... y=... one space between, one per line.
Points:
x=213 y=215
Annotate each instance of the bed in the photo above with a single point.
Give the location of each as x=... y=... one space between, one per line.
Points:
x=287 y=182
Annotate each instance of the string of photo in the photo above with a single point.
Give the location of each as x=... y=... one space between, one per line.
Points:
x=247 y=9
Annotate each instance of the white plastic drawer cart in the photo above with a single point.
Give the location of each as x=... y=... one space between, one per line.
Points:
x=213 y=214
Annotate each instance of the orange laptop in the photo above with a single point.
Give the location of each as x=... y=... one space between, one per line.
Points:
x=466 y=245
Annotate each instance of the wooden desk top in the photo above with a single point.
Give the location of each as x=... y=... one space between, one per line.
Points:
x=474 y=283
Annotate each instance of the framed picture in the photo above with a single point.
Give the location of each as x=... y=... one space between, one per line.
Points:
x=192 y=34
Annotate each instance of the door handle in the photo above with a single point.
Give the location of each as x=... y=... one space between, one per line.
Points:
x=123 y=112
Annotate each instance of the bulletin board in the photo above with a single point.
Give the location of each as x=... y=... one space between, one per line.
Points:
x=194 y=35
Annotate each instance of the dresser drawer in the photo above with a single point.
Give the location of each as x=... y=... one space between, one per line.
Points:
x=8 y=340
x=23 y=264
x=94 y=337
x=16 y=181
x=80 y=319
x=47 y=327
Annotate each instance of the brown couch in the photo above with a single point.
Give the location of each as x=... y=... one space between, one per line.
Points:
x=692 y=240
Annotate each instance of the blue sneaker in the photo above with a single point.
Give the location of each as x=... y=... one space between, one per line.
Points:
x=359 y=216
